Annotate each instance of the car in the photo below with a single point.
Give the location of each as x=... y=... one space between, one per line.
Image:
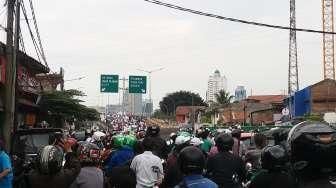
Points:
x=26 y=143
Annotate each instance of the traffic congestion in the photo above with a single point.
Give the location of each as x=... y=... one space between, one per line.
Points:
x=133 y=154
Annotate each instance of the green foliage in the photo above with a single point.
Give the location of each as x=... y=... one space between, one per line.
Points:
x=63 y=105
x=223 y=98
x=170 y=102
x=313 y=117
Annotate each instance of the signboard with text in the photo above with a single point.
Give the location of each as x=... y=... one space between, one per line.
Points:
x=109 y=83
x=137 y=84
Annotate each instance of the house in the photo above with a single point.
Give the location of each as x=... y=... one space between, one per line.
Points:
x=184 y=114
x=317 y=99
x=28 y=91
x=258 y=109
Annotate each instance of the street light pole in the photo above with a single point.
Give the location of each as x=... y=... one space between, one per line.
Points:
x=149 y=72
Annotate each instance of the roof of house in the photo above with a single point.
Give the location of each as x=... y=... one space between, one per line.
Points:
x=268 y=98
x=27 y=61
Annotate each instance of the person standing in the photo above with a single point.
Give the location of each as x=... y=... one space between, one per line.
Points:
x=147 y=166
x=6 y=172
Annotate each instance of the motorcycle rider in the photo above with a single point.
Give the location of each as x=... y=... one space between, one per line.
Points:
x=253 y=156
x=192 y=162
x=224 y=168
x=49 y=171
x=173 y=175
x=90 y=175
x=124 y=152
x=160 y=147
x=313 y=151
x=274 y=172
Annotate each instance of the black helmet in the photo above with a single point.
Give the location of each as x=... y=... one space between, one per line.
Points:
x=50 y=160
x=236 y=133
x=313 y=149
x=224 y=142
x=191 y=160
x=153 y=130
x=273 y=158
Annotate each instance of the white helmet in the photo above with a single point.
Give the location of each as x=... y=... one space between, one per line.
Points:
x=182 y=139
x=196 y=141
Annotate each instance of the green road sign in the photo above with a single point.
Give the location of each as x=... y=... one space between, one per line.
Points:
x=109 y=83
x=137 y=84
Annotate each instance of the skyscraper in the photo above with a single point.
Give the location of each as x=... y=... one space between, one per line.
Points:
x=132 y=102
x=240 y=93
x=215 y=84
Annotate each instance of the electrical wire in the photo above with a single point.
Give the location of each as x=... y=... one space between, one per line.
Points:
x=235 y=19
x=37 y=49
x=22 y=42
x=38 y=33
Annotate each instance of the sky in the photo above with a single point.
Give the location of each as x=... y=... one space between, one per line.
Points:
x=93 y=37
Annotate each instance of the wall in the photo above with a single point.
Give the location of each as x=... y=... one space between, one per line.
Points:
x=323 y=97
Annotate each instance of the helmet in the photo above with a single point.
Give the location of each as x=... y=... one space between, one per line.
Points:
x=236 y=133
x=196 y=141
x=273 y=157
x=313 y=149
x=191 y=160
x=118 y=141
x=173 y=136
x=224 y=142
x=50 y=160
x=88 y=152
x=130 y=141
x=153 y=130
x=183 y=133
x=182 y=139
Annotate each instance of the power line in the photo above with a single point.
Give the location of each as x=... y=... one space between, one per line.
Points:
x=37 y=32
x=37 y=49
x=235 y=19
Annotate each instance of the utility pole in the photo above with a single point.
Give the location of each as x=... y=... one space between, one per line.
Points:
x=10 y=74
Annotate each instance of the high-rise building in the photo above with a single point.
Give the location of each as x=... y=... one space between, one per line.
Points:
x=215 y=84
x=240 y=93
x=132 y=103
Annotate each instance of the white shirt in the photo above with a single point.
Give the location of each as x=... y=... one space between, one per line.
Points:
x=148 y=169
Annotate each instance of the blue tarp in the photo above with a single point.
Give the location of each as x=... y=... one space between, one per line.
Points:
x=302 y=104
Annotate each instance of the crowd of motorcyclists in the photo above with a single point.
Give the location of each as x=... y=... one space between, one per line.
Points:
x=303 y=156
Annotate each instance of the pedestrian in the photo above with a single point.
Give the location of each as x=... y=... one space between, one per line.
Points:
x=224 y=168
x=147 y=166
x=90 y=175
x=191 y=161
x=6 y=171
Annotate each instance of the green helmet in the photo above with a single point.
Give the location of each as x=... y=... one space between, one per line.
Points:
x=118 y=141
x=130 y=141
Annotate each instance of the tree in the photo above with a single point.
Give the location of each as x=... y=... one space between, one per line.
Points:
x=61 y=106
x=223 y=98
x=170 y=102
